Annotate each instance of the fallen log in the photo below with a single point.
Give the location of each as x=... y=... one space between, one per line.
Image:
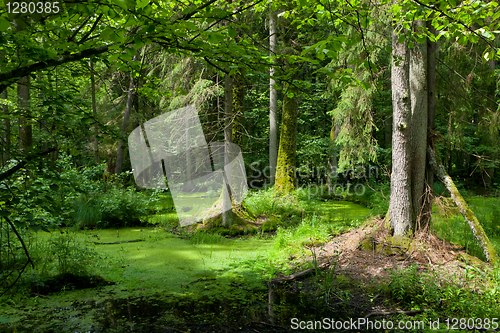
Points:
x=297 y=275
x=468 y=214
x=120 y=242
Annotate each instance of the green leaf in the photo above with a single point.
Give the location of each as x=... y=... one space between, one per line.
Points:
x=54 y=187
x=138 y=43
x=4 y=213
x=116 y=38
x=4 y=25
x=130 y=51
x=232 y=32
x=365 y=85
x=20 y=224
x=142 y=3
x=213 y=38
x=336 y=46
x=106 y=33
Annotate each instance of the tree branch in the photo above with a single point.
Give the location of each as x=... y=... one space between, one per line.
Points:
x=21 y=164
x=434 y=8
x=84 y=38
x=23 y=71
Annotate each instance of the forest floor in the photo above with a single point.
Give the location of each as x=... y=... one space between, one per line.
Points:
x=362 y=267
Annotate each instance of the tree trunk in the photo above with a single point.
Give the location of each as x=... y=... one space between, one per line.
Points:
x=285 y=168
x=273 y=102
x=418 y=125
x=470 y=218
x=6 y=131
x=94 y=112
x=238 y=108
x=25 y=128
x=400 y=210
x=126 y=116
x=432 y=48
x=489 y=172
x=333 y=160
x=227 y=206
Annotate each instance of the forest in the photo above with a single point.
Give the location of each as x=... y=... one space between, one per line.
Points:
x=249 y=165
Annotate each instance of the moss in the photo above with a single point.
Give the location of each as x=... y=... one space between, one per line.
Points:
x=269 y=226
x=367 y=244
x=471 y=260
x=285 y=167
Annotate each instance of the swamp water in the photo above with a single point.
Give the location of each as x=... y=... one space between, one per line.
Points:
x=163 y=281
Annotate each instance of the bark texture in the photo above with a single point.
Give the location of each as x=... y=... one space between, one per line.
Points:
x=470 y=218
x=418 y=126
x=400 y=210
x=432 y=48
x=285 y=168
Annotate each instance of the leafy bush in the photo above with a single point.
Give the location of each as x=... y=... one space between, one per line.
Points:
x=82 y=198
x=64 y=253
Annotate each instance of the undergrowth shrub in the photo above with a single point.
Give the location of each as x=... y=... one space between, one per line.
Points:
x=443 y=294
x=64 y=253
x=86 y=200
x=287 y=209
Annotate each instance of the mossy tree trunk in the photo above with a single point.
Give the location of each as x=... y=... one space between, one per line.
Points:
x=470 y=218
x=333 y=160
x=285 y=168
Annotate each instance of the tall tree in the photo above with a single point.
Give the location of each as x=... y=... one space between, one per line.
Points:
x=94 y=113
x=6 y=131
x=432 y=48
x=227 y=215
x=273 y=100
x=418 y=123
x=25 y=128
x=400 y=210
x=126 y=116
x=238 y=107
